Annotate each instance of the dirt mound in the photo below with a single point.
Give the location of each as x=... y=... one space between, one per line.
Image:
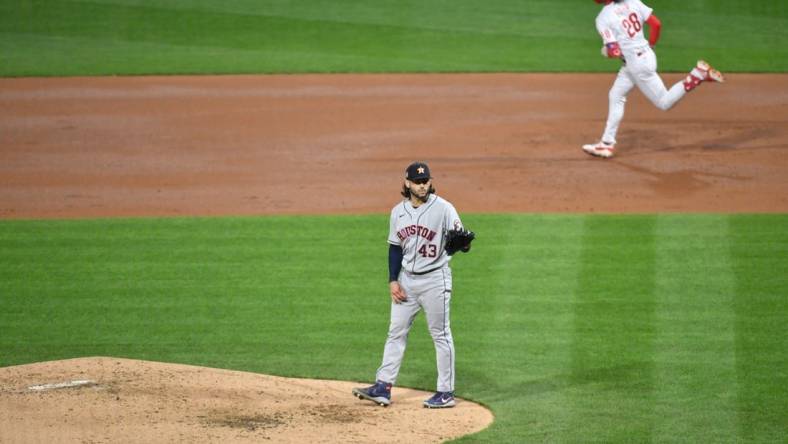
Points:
x=122 y=400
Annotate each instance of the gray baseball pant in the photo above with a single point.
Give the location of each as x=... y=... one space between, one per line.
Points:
x=432 y=293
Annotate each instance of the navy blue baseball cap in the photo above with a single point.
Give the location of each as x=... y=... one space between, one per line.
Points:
x=417 y=170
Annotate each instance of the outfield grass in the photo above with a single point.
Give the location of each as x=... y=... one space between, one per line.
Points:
x=571 y=328
x=102 y=37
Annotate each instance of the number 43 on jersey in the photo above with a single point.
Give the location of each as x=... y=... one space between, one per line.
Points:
x=428 y=250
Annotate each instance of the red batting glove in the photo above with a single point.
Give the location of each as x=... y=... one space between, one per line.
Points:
x=613 y=50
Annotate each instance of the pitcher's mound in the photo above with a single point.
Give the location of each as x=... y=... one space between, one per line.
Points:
x=123 y=400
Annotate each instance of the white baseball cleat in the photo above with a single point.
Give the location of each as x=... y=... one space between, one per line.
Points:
x=601 y=149
x=711 y=74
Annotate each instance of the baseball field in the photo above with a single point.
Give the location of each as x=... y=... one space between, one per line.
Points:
x=208 y=184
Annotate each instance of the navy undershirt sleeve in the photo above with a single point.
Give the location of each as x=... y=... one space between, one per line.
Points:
x=395 y=261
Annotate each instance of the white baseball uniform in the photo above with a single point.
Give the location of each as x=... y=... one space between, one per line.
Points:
x=426 y=279
x=623 y=23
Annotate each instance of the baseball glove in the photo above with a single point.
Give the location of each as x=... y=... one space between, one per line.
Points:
x=459 y=240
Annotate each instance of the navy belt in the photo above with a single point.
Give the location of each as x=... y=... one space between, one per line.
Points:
x=426 y=272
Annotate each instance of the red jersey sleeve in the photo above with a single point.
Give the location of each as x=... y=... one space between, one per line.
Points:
x=654 y=28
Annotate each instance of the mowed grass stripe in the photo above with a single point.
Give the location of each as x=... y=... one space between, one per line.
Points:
x=759 y=248
x=551 y=247
x=614 y=316
x=695 y=355
x=524 y=274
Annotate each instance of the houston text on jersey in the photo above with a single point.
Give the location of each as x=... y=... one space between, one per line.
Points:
x=410 y=230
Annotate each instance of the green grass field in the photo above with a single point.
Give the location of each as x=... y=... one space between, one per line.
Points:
x=101 y=37
x=571 y=328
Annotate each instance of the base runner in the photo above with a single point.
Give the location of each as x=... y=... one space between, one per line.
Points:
x=620 y=23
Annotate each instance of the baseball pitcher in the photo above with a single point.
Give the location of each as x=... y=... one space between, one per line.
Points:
x=620 y=23
x=424 y=232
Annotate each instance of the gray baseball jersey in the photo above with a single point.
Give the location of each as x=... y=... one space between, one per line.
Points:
x=421 y=232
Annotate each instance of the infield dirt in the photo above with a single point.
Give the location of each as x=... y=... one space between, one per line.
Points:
x=323 y=144
x=338 y=144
